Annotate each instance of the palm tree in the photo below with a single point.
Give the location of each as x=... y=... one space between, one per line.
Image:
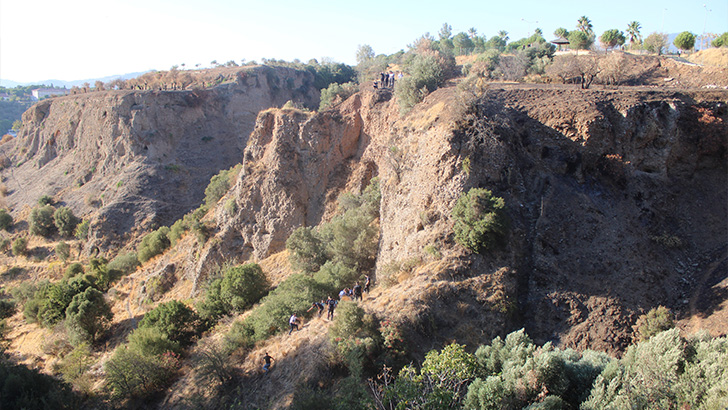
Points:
x=633 y=29
x=503 y=34
x=585 y=25
x=472 y=32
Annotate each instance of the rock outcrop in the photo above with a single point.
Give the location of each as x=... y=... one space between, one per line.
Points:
x=138 y=159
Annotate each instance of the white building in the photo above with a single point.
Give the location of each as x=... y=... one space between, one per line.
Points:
x=40 y=93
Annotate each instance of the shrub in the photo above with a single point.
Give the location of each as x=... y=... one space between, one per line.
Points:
x=343 y=91
x=685 y=41
x=242 y=286
x=6 y=220
x=74 y=367
x=306 y=250
x=655 y=321
x=150 y=341
x=220 y=184
x=45 y=200
x=63 y=251
x=87 y=316
x=41 y=221
x=49 y=303
x=65 y=221
x=214 y=365
x=130 y=374
x=480 y=220
x=24 y=388
x=20 y=247
x=7 y=308
x=656 y=43
x=153 y=244
x=5 y=244
x=82 y=230
x=173 y=319
x=427 y=71
x=72 y=270
x=125 y=263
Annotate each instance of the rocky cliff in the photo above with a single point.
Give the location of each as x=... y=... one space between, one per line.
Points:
x=617 y=201
x=133 y=160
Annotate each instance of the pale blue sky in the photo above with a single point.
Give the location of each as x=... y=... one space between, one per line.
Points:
x=81 y=39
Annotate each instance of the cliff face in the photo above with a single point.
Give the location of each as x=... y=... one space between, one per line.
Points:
x=134 y=159
x=617 y=203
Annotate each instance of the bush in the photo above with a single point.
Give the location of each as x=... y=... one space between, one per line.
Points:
x=73 y=270
x=20 y=247
x=665 y=371
x=343 y=91
x=238 y=289
x=427 y=71
x=306 y=250
x=220 y=184
x=7 y=308
x=130 y=374
x=685 y=41
x=480 y=220
x=6 y=220
x=655 y=321
x=153 y=244
x=87 y=316
x=23 y=388
x=63 y=251
x=74 y=367
x=45 y=200
x=125 y=263
x=65 y=221
x=82 y=230
x=41 y=221
x=150 y=341
x=49 y=303
x=656 y=43
x=173 y=319
x=721 y=41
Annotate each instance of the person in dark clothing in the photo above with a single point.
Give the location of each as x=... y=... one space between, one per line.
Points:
x=367 y=283
x=383 y=79
x=357 y=291
x=267 y=359
x=331 y=303
x=319 y=306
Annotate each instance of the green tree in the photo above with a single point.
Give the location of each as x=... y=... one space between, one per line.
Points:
x=561 y=32
x=334 y=90
x=480 y=220
x=82 y=230
x=174 y=319
x=20 y=247
x=445 y=32
x=131 y=374
x=153 y=244
x=63 y=251
x=584 y=25
x=65 y=221
x=656 y=43
x=612 y=38
x=579 y=40
x=306 y=250
x=6 y=220
x=633 y=30
x=364 y=53
x=242 y=286
x=655 y=321
x=721 y=41
x=463 y=44
x=41 y=220
x=87 y=316
x=685 y=41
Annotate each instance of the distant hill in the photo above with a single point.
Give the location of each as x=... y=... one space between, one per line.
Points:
x=68 y=84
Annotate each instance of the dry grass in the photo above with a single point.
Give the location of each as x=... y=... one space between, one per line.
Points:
x=716 y=57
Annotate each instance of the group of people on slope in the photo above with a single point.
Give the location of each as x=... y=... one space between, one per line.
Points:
x=386 y=80
x=354 y=293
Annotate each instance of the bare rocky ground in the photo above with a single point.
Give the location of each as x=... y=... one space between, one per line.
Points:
x=617 y=198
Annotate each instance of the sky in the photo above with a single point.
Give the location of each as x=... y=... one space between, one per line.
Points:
x=85 y=39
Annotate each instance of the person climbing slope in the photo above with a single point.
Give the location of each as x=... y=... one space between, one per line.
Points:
x=267 y=359
x=293 y=321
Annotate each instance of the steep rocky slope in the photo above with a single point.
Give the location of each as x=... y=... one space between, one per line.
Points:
x=132 y=160
x=617 y=200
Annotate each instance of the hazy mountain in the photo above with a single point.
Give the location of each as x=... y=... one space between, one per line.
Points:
x=69 y=84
